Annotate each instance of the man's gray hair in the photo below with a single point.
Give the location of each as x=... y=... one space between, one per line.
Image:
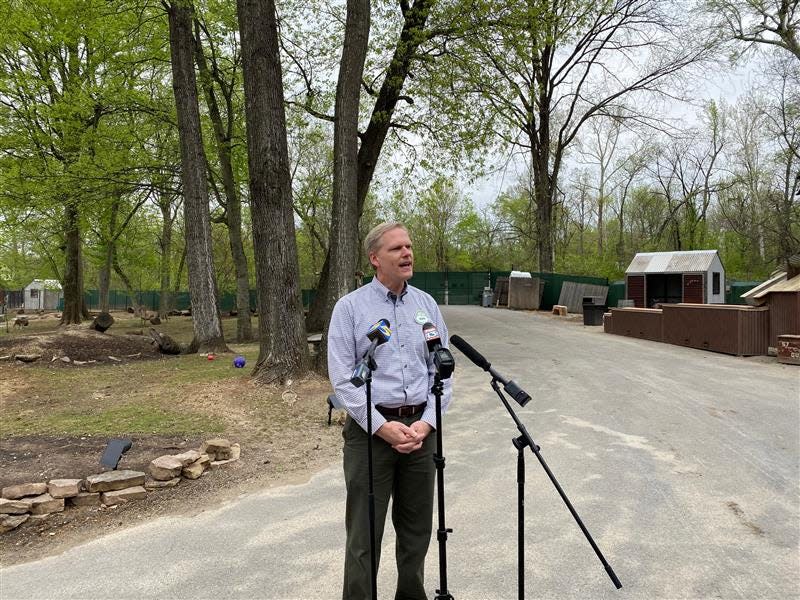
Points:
x=372 y=243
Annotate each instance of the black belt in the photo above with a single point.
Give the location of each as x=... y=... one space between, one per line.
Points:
x=401 y=411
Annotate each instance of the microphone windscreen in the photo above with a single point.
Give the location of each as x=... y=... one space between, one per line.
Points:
x=470 y=352
x=380 y=331
x=432 y=337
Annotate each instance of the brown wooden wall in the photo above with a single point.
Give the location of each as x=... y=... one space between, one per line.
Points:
x=642 y=323
x=740 y=330
x=784 y=315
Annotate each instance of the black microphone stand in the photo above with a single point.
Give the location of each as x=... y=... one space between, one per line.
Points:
x=520 y=443
x=438 y=459
x=363 y=375
x=371 y=366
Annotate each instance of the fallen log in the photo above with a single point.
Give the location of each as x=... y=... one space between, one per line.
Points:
x=28 y=358
x=102 y=322
x=165 y=343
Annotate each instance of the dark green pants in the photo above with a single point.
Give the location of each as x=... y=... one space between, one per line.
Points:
x=408 y=479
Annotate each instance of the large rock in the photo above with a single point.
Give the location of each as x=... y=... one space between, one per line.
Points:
x=126 y=495
x=188 y=457
x=153 y=484
x=13 y=492
x=113 y=480
x=217 y=449
x=9 y=522
x=235 y=453
x=165 y=468
x=85 y=499
x=46 y=504
x=63 y=488
x=194 y=470
x=14 y=507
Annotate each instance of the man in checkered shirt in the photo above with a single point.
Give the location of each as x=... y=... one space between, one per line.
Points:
x=403 y=413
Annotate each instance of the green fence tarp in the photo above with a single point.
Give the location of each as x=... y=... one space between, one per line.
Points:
x=456 y=288
x=733 y=295
x=616 y=292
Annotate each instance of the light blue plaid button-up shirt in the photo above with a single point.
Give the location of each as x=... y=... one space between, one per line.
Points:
x=405 y=372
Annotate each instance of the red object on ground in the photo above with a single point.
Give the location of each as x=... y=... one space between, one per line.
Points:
x=211 y=356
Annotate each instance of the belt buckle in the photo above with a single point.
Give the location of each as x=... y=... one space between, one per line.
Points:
x=406 y=411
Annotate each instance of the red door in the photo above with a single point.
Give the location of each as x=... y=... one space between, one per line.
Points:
x=693 y=289
x=636 y=290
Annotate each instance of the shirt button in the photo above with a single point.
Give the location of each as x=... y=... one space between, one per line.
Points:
x=405 y=366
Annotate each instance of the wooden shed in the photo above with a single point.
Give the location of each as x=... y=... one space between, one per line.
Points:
x=42 y=294
x=692 y=276
x=783 y=299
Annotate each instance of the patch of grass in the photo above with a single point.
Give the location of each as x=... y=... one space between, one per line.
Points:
x=127 y=418
x=147 y=396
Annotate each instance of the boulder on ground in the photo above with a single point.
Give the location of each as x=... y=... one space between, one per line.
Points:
x=14 y=507
x=188 y=457
x=113 y=480
x=127 y=495
x=21 y=490
x=217 y=449
x=193 y=471
x=63 y=488
x=46 y=504
x=9 y=522
x=166 y=467
x=154 y=484
x=234 y=454
x=85 y=499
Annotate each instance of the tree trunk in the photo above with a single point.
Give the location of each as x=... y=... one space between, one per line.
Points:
x=74 y=308
x=206 y=320
x=543 y=193
x=233 y=204
x=411 y=36
x=176 y=287
x=104 y=278
x=165 y=242
x=110 y=248
x=283 y=348
x=343 y=237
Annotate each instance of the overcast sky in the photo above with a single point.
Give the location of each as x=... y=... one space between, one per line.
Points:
x=722 y=84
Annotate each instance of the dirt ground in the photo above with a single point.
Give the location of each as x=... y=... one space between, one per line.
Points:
x=77 y=343
x=282 y=430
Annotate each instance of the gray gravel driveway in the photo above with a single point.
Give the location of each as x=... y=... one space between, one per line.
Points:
x=683 y=464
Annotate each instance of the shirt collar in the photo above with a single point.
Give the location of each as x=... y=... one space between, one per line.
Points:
x=385 y=292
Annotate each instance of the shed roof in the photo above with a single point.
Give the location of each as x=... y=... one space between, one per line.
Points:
x=788 y=285
x=754 y=297
x=682 y=261
x=50 y=284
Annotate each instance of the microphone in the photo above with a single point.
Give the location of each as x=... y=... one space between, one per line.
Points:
x=379 y=334
x=513 y=390
x=442 y=358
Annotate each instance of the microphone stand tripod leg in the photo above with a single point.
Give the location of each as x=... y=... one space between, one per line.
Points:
x=520 y=443
x=371 y=496
x=441 y=534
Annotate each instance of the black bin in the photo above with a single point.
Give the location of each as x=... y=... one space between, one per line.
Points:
x=593 y=313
